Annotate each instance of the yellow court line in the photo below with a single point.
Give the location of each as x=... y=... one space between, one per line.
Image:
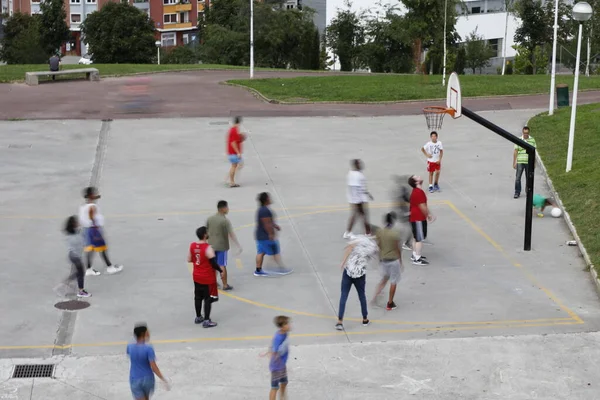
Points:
x=529 y=276
x=300 y=335
x=202 y=212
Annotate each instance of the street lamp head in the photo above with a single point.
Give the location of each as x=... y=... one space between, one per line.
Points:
x=582 y=11
x=157 y=43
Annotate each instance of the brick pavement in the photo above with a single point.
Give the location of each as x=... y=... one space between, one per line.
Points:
x=208 y=98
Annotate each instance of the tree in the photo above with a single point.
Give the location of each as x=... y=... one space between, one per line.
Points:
x=460 y=62
x=21 y=41
x=425 y=21
x=119 y=33
x=346 y=36
x=478 y=52
x=388 y=45
x=53 y=26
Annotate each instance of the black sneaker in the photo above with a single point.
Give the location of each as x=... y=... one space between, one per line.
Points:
x=366 y=322
x=422 y=257
x=208 y=324
x=517 y=195
x=420 y=261
x=199 y=320
x=228 y=288
x=391 y=306
x=339 y=327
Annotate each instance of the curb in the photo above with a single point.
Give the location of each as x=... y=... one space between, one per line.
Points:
x=567 y=219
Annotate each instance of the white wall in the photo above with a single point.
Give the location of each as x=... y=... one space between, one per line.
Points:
x=490 y=26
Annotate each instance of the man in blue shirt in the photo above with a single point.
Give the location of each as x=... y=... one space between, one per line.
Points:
x=266 y=242
x=143 y=365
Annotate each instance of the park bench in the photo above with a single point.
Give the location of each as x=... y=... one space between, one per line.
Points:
x=91 y=74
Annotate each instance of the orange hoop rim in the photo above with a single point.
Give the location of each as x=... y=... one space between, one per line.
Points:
x=438 y=110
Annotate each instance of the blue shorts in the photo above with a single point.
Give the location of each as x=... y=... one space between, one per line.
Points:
x=221 y=258
x=278 y=377
x=234 y=159
x=94 y=239
x=142 y=388
x=268 y=247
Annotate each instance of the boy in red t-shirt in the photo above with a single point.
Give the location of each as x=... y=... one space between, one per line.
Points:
x=202 y=255
x=234 y=149
x=419 y=215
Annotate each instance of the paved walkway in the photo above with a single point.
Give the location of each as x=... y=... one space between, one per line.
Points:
x=200 y=94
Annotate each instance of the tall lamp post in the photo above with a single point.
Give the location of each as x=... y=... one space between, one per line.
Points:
x=445 y=53
x=157 y=43
x=553 y=78
x=582 y=11
x=251 y=39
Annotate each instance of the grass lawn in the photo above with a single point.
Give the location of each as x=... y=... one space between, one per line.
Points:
x=579 y=189
x=12 y=73
x=380 y=87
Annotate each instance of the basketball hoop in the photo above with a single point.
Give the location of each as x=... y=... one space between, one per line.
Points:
x=434 y=116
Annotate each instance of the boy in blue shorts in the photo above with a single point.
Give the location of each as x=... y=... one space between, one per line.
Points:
x=279 y=351
x=266 y=242
x=541 y=202
x=143 y=365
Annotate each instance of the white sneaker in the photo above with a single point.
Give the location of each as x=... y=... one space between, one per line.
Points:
x=347 y=235
x=92 y=272
x=406 y=247
x=114 y=269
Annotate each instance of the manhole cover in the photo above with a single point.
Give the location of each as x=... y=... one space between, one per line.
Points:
x=72 y=305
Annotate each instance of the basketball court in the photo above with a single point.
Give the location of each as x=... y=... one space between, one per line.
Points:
x=161 y=178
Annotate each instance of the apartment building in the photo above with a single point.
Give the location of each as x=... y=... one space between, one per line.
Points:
x=175 y=20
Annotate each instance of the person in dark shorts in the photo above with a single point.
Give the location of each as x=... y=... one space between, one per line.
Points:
x=279 y=352
x=202 y=255
x=419 y=215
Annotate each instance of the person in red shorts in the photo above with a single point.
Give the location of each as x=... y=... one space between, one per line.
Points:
x=419 y=215
x=234 y=149
x=434 y=151
x=203 y=257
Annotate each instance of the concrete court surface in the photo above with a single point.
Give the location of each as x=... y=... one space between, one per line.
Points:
x=161 y=178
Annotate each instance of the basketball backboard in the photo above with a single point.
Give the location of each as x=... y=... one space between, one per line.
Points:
x=453 y=97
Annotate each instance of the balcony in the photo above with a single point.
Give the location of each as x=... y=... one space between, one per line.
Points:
x=181 y=25
x=175 y=8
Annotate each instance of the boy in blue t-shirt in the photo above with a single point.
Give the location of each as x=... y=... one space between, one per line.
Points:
x=279 y=352
x=143 y=365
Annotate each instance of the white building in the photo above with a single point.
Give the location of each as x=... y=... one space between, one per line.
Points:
x=489 y=18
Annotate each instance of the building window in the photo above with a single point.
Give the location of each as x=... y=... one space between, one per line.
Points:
x=75 y=18
x=75 y=1
x=170 y=18
x=168 y=39
x=495 y=45
x=186 y=38
x=184 y=17
x=35 y=1
x=167 y=2
x=476 y=10
x=90 y=1
x=201 y=16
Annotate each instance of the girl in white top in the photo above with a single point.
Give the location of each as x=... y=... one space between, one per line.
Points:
x=92 y=222
x=358 y=197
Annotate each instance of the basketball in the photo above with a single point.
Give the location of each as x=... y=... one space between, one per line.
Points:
x=556 y=213
x=243 y=137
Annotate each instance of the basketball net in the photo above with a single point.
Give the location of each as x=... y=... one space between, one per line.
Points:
x=435 y=116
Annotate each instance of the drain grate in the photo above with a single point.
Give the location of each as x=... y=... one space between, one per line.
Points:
x=33 y=371
x=19 y=146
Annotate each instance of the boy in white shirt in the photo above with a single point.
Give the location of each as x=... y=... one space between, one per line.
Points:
x=358 y=197
x=434 y=151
